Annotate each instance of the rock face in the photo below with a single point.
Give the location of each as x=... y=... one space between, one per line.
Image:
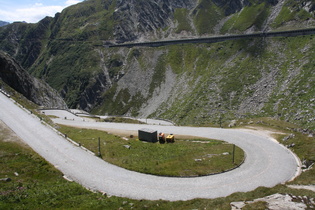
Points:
x=138 y=18
x=279 y=201
x=197 y=83
x=27 y=35
x=147 y=19
x=231 y=7
x=33 y=89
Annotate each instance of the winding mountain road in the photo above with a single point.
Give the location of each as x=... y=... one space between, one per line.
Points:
x=267 y=162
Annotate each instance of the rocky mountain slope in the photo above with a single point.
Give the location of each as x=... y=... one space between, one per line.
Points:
x=3 y=23
x=33 y=89
x=189 y=84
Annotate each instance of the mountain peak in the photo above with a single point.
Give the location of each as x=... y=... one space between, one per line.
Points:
x=3 y=23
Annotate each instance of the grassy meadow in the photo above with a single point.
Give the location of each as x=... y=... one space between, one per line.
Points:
x=185 y=157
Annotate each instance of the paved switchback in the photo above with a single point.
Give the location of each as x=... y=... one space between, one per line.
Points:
x=267 y=162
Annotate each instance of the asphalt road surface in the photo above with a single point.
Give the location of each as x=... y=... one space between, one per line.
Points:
x=267 y=162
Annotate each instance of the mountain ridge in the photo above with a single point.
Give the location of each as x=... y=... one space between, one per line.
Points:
x=190 y=84
x=33 y=89
x=3 y=23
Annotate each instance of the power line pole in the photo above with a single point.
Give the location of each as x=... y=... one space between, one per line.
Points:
x=99 y=147
x=234 y=153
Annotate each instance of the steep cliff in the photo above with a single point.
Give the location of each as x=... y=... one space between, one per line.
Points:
x=143 y=19
x=33 y=89
x=190 y=84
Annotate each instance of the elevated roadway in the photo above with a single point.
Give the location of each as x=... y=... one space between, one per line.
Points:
x=214 y=39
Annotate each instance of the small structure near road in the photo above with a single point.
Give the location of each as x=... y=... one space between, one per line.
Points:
x=148 y=135
x=170 y=138
x=161 y=138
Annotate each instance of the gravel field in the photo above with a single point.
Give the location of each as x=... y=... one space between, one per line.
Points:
x=267 y=162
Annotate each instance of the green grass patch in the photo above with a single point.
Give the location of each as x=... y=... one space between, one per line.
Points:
x=124 y=100
x=206 y=16
x=67 y=70
x=181 y=15
x=248 y=17
x=175 y=58
x=159 y=74
x=284 y=16
x=186 y=157
x=289 y=12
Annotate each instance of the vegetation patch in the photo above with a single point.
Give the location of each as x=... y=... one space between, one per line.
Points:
x=181 y=15
x=123 y=99
x=185 y=157
x=159 y=74
x=289 y=12
x=248 y=17
x=206 y=16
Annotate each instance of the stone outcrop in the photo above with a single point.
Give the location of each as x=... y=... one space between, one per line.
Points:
x=279 y=201
x=138 y=18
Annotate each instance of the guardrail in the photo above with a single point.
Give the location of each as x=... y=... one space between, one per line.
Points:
x=5 y=93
